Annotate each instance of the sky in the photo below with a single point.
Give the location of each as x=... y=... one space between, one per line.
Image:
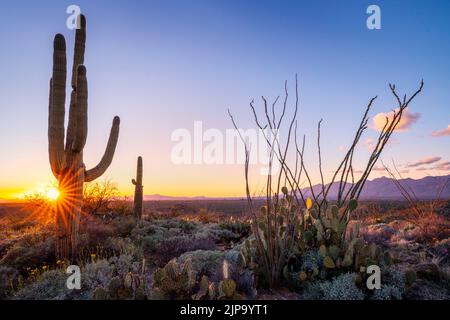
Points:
x=163 y=65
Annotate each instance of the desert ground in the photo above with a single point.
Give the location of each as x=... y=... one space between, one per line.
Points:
x=200 y=240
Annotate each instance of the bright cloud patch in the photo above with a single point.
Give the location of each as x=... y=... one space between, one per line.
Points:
x=441 y=133
x=424 y=161
x=408 y=118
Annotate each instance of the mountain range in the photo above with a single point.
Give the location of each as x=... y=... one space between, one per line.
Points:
x=382 y=188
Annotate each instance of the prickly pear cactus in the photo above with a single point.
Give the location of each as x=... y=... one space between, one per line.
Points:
x=228 y=287
x=175 y=280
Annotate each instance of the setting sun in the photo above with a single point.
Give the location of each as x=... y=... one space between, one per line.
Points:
x=52 y=194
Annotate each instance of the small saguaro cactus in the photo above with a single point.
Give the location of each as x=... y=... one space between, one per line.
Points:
x=138 y=190
x=66 y=157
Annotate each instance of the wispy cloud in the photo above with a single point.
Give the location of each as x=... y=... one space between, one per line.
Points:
x=442 y=166
x=424 y=161
x=408 y=118
x=441 y=133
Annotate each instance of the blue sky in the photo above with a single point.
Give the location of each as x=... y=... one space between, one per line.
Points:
x=161 y=65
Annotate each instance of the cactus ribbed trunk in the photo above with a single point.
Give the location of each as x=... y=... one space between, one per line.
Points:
x=66 y=159
x=68 y=209
x=138 y=190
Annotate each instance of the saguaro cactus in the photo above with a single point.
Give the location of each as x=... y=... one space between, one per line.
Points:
x=66 y=158
x=138 y=190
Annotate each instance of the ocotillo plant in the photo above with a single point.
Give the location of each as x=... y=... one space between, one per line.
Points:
x=280 y=226
x=66 y=157
x=138 y=190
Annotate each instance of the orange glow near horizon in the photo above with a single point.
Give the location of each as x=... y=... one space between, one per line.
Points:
x=224 y=189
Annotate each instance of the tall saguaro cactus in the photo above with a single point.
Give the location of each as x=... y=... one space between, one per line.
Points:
x=66 y=157
x=138 y=190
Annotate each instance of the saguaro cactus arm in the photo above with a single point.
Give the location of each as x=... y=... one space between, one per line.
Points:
x=81 y=110
x=139 y=171
x=106 y=160
x=78 y=59
x=56 y=105
x=80 y=46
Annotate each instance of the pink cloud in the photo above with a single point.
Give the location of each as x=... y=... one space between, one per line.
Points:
x=424 y=161
x=441 y=133
x=408 y=118
x=442 y=166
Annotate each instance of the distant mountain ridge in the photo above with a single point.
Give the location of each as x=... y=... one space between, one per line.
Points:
x=377 y=189
x=384 y=188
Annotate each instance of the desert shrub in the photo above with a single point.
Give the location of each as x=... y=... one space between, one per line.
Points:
x=429 y=229
x=96 y=230
x=178 y=224
x=9 y=279
x=442 y=249
x=206 y=216
x=98 y=196
x=125 y=263
x=427 y=290
x=94 y=274
x=124 y=225
x=395 y=278
x=204 y=262
x=150 y=235
x=387 y=292
x=165 y=239
x=341 y=287
x=221 y=235
x=122 y=206
x=51 y=285
x=151 y=242
x=379 y=233
x=175 y=246
x=29 y=251
x=93 y=235
x=124 y=246
x=311 y=261
x=236 y=226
